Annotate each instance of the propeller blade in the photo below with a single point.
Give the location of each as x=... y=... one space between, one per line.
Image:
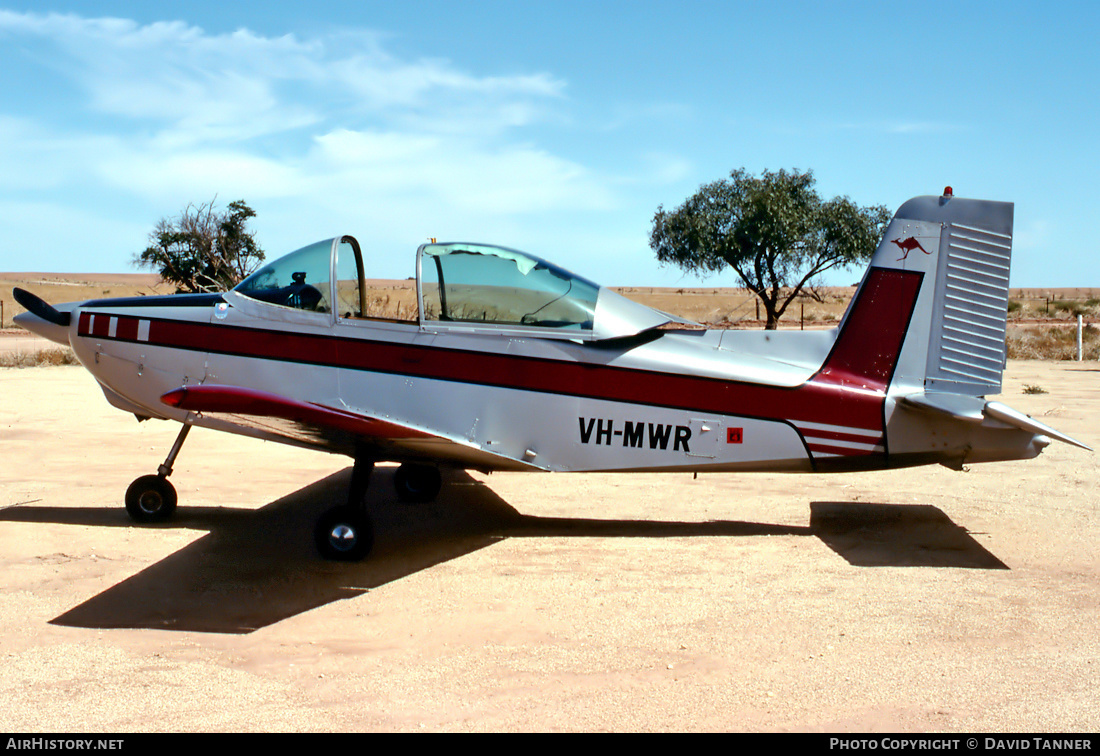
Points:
x=40 y=307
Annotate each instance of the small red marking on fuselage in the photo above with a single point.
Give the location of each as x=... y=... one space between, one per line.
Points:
x=908 y=245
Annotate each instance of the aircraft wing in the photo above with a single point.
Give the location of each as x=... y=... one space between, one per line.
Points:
x=336 y=430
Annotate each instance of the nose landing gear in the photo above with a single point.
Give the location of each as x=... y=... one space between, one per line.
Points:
x=151 y=498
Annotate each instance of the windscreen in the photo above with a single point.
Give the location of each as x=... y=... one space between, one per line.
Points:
x=474 y=283
x=299 y=280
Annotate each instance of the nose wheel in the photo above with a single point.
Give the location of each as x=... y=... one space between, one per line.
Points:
x=151 y=498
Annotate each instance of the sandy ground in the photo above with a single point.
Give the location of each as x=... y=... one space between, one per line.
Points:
x=913 y=600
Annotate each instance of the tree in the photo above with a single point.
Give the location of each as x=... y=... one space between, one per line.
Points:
x=775 y=232
x=202 y=249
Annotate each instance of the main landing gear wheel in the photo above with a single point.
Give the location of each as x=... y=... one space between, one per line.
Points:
x=150 y=498
x=344 y=534
x=417 y=484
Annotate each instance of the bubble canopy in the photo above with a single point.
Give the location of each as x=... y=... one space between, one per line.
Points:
x=485 y=284
x=460 y=287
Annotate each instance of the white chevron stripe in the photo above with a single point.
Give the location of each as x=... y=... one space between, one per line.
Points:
x=844 y=445
x=808 y=429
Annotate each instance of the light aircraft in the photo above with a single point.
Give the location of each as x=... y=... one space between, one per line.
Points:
x=516 y=364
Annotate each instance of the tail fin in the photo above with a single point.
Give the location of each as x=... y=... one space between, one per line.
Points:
x=928 y=324
x=935 y=296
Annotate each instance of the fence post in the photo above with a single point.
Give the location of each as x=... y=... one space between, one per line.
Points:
x=1080 y=328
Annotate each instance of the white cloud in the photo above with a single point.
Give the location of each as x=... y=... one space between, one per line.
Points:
x=459 y=172
x=200 y=87
x=173 y=93
x=330 y=131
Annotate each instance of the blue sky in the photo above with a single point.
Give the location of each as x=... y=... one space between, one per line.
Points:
x=554 y=127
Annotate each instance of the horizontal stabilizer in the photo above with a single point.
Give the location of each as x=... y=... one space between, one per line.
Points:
x=973 y=409
x=1009 y=416
x=958 y=406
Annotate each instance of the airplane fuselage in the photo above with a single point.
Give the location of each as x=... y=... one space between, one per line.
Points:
x=665 y=400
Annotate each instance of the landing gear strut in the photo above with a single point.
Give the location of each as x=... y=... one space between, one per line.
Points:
x=345 y=534
x=151 y=498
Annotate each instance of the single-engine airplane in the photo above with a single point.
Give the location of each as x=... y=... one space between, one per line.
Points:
x=516 y=364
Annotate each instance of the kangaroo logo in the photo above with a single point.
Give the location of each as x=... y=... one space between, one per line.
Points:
x=908 y=245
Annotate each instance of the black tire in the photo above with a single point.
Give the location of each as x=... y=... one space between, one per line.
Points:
x=417 y=484
x=150 y=498
x=344 y=534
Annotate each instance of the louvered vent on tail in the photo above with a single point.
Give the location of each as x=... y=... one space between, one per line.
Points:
x=967 y=341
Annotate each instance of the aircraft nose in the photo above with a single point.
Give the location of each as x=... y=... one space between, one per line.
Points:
x=42 y=318
x=37 y=325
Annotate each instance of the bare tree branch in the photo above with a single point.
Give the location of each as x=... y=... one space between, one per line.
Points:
x=202 y=250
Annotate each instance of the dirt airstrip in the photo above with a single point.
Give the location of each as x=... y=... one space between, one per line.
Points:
x=911 y=600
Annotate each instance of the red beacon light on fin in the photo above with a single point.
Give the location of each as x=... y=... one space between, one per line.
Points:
x=948 y=192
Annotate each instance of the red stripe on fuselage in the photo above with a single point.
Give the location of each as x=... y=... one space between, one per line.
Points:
x=848 y=391
x=126 y=327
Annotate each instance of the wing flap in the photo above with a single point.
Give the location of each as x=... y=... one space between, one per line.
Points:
x=324 y=427
x=235 y=400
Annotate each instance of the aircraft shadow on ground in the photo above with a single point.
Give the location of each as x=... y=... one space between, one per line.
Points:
x=257 y=567
x=897 y=535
